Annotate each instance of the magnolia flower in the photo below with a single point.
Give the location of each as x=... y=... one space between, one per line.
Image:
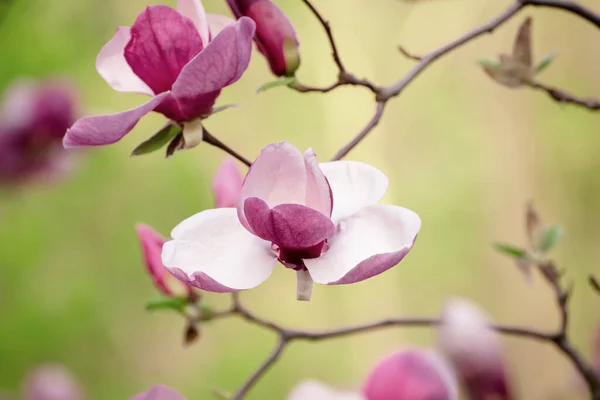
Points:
x=275 y=35
x=227 y=184
x=51 y=382
x=410 y=374
x=166 y=283
x=172 y=56
x=34 y=117
x=466 y=339
x=321 y=220
x=158 y=392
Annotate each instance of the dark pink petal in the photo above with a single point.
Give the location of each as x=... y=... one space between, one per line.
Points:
x=159 y=392
x=278 y=176
x=220 y=64
x=411 y=374
x=106 y=129
x=290 y=226
x=112 y=66
x=366 y=244
x=52 y=382
x=227 y=184
x=162 y=42
x=318 y=192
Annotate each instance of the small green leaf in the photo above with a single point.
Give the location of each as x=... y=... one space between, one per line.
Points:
x=207 y=312
x=489 y=63
x=177 y=304
x=158 y=140
x=290 y=80
x=544 y=63
x=552 y=236
x=510 y=250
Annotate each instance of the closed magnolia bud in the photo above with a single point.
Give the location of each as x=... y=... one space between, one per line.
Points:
x=467 y=340
x=411 y=374
x=227 y=184
x=275 y=35
x=51 y=382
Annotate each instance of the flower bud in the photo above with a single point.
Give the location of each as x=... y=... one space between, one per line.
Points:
x=166 y=283
x=467 y=340
x=51 y=382
x=158 y=392
x=275 y=35
x=227 y=184
x=411 y=374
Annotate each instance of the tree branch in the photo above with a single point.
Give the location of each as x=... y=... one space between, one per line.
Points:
x=563 y=97
x=568 y=6
x=363 y=133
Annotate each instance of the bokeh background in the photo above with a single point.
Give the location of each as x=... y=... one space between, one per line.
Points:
x=462 y=151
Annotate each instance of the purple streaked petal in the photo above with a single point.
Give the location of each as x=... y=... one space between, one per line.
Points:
x=158 y=392
x=105 y=129
x=315 y=390
x=112 y=66
x=318 y=193
x=366 y=244
x=355 y=185
x=214 y=244
x=194 y=10
x=277 y=176
x=290 y=226
x=162 y=43
x=220 y=64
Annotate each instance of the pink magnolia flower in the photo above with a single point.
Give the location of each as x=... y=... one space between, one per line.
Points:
x=275 y=35
x=171 y=56
x=321 y=220
x=466 y=339
x=51 y=382
x=34 y=117
x=158 y=392
x=409 y=374
x=166 y=283
x=227 y=184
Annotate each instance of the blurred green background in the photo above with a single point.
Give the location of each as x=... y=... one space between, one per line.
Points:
x=462 y=151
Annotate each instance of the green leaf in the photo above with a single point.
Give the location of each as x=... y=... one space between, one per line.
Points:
x=489 y=63
x=207 y=312
x=280 y=82
x=510 y=250
x=544 y=63
x=158 y=140
x=552 y=236
x=177 y=304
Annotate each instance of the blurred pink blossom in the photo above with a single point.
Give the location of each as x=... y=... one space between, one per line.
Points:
x=158 y=392
x=173 y=57
x=227 y=184
x=51 y=382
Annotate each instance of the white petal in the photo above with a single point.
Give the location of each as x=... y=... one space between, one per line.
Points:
x=194 y=10
x=214 y=243
x=217 y=22
x=314 y=390
x=354 y=185
x=387 y=232
x=112 y=66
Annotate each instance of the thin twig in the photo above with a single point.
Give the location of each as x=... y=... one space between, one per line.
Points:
x=210 y=139
x=568 y=6
x=409 y=55
x=561 y=96
x=363 y=133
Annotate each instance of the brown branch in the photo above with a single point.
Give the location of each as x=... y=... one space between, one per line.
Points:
x=409 y=55
x=561 y=96
x=568 y=6
x=363 y=133
x=210 y=139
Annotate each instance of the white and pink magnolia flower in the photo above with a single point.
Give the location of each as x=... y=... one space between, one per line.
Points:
x=172 y=56
x=158 y=392
x=409 y=374
x=321 y=220
x=467 y=340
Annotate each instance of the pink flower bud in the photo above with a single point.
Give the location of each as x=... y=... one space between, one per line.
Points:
x=411 y=374
x=166 y=283
x=227 y=184
x=466 y=339
x=275 y=35
x=51 y=382
x=158 y=392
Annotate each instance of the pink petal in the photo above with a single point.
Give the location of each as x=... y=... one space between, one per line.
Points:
x=213 y=251
x=220 y=64
x=162 y=43
x=355 y=185
x=290 y=226
x=159 y=392
x=194 y=10
x=52 y=382
x=106 y=129
x=113 y=67
x=278 y=176
x=318 y=193
x=315 y=390
x=366 y=244
x=217 y=23
x=227 y=184
x=468 y=342
x=411 y=374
